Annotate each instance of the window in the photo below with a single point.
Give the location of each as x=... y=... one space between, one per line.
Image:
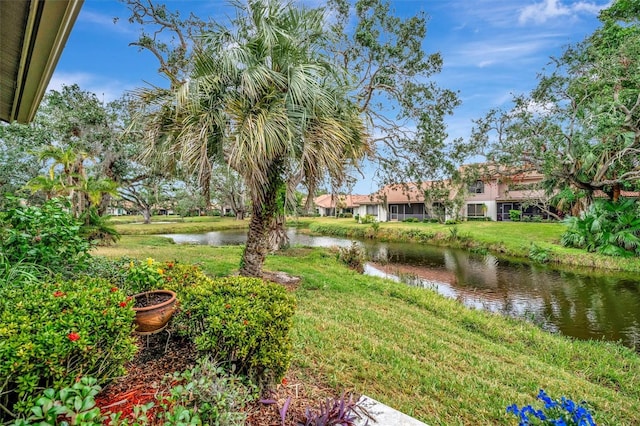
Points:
x=372 y=210
x=477 y=187
x=475 y=210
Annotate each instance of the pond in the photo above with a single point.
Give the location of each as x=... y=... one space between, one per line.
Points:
x=581 y=304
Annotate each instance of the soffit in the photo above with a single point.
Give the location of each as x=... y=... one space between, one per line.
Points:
x=32 y=36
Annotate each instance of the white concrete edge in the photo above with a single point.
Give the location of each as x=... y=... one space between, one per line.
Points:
x=383 y=415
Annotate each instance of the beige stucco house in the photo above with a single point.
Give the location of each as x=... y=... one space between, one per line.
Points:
x=490 y=197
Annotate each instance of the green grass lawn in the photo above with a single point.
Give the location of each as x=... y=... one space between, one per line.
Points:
x=419 y=352
x=133 y=225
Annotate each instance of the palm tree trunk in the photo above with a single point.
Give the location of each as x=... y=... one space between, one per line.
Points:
x=263 y=214
x=278 y=238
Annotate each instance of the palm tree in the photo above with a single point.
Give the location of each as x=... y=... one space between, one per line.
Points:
x=267 y=103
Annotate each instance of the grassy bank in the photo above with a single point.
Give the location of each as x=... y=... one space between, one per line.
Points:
x=132 y=225
x=516 y=239
x=419 y=352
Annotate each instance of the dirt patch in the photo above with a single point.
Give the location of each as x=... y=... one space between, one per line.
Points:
x=282 y=278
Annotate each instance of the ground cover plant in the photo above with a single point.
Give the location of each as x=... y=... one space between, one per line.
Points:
x=418 y=352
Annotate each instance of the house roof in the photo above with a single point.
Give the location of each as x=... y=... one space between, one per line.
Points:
x=411 y=192
x=328 y=201
x=33 y=34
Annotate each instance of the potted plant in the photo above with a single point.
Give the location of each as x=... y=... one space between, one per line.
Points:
x=153 y=306
x=153 y=309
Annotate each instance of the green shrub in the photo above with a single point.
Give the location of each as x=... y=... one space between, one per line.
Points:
x=179 y=277
x=451 y=222
x=97 y=229
x=136 y=276
x=240 y=322
x=479 y=219
x=538 y=254
x=112 y=270
x=411 y=220
x=515 y=215
x=347 y=215
x=357 y=217
x=608 y=228
x=368 y=218
x=53 y=332
x=48 y=236
x=352 y=256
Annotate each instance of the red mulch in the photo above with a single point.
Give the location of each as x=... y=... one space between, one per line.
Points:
x=145 y=373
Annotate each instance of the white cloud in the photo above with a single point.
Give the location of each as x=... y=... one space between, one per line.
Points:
x=552 y=9
x=106 y=89
x=489 y=52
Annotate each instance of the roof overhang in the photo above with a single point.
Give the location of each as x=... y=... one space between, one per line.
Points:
x=33 y=34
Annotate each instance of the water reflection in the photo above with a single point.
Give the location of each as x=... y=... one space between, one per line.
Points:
x=576 y=304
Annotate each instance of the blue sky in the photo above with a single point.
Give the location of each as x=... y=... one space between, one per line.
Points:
x=490 y=48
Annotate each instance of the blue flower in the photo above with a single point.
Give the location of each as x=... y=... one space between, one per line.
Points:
x=568 y=405
x=513 y=409
x=548 y=402
x=564 y=412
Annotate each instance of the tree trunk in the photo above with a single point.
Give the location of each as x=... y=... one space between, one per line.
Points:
x=278 y=238
x=105 y=201
x=263 y=214
x=616 y=192
x=146 y=214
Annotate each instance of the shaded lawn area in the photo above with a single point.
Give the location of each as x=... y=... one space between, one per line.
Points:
x=419 y=352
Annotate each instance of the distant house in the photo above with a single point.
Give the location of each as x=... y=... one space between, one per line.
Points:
x=398 y=202
x=116 y=211
x=335 y=204
x=494 y=196
x=491 y=196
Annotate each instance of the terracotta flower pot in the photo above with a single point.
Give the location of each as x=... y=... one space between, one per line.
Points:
x=153 y=310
